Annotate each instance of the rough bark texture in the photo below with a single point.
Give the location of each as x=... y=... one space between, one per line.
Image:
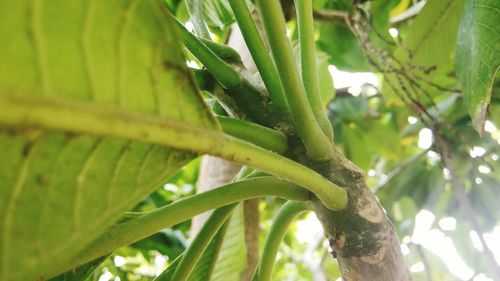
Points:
x=361 y=237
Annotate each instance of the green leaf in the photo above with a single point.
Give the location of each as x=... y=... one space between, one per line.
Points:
x=326 y=86
x=60 y=191
x=218 y=13
x=432 y=36
x=82 y=272
x=338 y=41
x=224 y=258
x=342 y=46
x=231 y=259
x=478 y=56
x=168 y=274
x=206 y=264
x=425 y=55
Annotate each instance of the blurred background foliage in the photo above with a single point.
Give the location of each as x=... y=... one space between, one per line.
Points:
x=398 y=113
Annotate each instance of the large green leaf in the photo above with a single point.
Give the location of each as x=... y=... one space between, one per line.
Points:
x=425 y=55
x=338 y=41
x=231 y=259
x=478 y=56
x=432 y=36
x=60 y=191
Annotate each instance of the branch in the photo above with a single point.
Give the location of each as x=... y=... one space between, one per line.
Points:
x=317 y=145
x=125 y=233
x=308 y=64
x=94 y=119
x=331 y=15
x=399 y=169
x=287 y=213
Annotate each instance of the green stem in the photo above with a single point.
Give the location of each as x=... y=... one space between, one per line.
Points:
x=285 y=216
x=201 y=242
x=195 y=9
x=262 y=136
x=259 y=52
x=125 y=233
x=308 y=62
x=226 y=101
x=94 y=119
x=222 y=51
x=317 y=144
x=101 y=120
x=225 y=74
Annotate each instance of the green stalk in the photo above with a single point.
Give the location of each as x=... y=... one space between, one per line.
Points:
x=101 y=120
x=195 y=10
x=317 y=144
x=125 y=233
x=222 y=51
x=225 y=74
x=259 y=52
x=308 y=63
x=200 y=243
x=262 y=136
x=287 y=213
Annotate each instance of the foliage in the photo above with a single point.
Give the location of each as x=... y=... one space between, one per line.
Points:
x=101 y=123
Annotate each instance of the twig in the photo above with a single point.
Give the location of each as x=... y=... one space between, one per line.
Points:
x=399 y=169
x=330 y=15
x=423 y=257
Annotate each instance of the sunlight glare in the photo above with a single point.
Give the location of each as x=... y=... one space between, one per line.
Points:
x=412 y=120
x=189 y=26
x=481 y=277
x=490 y=127
x=308 y=229
x=425 y=138
x=119 y=261
x=436 y=242
x=418 y=267
x=344 y=79
x=448 y=223
x=393 y=32
x=477 y=151
x=483 y=169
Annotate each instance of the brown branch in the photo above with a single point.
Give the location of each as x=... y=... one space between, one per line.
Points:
x=330 y=15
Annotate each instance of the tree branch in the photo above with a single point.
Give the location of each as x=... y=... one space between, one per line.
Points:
x=331 y=15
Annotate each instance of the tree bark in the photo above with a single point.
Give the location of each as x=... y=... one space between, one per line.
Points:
x=361 y=237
